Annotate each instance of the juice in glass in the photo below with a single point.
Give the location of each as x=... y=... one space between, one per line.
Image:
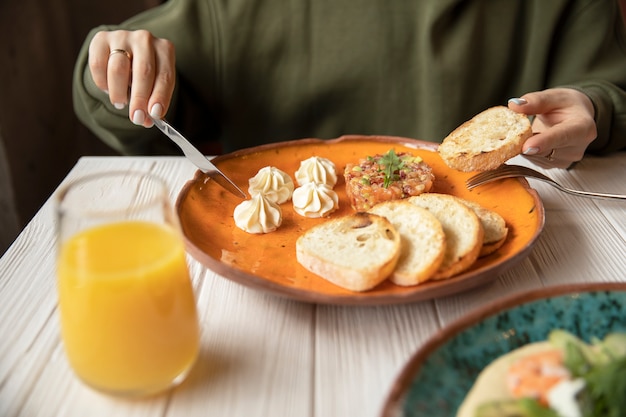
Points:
x=127 y=308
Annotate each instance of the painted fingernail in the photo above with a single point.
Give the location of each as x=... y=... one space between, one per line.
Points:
x=119 y=106
x=156 y=112
x=139 y=117
x=531 y=151
x=518 y=101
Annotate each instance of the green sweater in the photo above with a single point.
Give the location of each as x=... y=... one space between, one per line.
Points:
x=256 y=71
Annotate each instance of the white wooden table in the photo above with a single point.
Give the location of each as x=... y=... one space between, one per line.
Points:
x=268 y=356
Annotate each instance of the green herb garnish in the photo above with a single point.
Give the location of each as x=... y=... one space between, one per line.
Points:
x=391 y=164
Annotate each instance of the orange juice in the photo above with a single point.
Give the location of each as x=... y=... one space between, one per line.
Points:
x=128 y=314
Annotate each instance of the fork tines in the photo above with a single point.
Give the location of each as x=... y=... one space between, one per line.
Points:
x=504 y=171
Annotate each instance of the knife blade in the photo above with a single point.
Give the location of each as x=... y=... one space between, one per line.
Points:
x=197 y=158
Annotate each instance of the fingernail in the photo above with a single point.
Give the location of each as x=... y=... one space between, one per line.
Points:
x=139 y=117
x=531 y=151
x=518 y=101
x=119 y=106
x=156 y=112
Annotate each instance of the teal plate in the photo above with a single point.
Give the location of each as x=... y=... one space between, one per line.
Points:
x=439 y=375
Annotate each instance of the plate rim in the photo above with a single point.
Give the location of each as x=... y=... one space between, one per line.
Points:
x=411 y=367
x=461 y=282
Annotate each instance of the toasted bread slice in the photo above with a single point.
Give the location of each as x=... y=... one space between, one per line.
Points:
x=493 y=225
x=422 y=237
x=486 y=141
x=464 y=233
x=356 y=252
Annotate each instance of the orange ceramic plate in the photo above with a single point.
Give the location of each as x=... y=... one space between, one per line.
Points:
x=268 y=261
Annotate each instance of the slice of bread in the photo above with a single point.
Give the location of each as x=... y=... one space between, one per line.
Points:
x=464 y=232
x=423 y=241
x=486 y=141
x=355 y=252
x=493 y=225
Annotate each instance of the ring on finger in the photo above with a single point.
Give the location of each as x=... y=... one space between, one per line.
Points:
x=121 y=51
x=550 y=157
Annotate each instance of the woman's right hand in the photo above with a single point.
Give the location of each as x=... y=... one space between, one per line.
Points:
x=136 y=69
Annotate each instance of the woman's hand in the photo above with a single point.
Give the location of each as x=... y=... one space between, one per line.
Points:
x=136 y=69
x=563 y=126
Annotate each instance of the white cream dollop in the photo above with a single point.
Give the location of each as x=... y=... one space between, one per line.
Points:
x=315 y=200
x=317 y=169
x=258 y=215
x=275 y=184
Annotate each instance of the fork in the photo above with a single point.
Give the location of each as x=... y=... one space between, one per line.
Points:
x=510 y=171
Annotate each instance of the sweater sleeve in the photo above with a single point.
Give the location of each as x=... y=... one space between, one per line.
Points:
x=593 y=61
x=609 y=102
x=223 y=49
x=195 y=73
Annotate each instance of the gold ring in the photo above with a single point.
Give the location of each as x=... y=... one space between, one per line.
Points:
x=550 y=156
x=121 y=51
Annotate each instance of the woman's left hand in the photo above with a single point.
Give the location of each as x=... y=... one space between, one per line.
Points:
x=563 y=126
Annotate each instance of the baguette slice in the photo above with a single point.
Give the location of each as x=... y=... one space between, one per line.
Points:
x=464 y=233
x=422 y=237
x=356 y=252
x=493 y=225
x=486 y=141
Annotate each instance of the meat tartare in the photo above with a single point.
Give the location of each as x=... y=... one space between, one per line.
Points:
x=386 y=177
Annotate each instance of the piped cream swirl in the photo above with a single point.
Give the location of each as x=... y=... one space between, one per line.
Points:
x=276 y=185
x=317 y=169
x=258 y=215
x=315 y=200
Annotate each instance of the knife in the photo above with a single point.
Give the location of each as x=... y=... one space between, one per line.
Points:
x=194 y=155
